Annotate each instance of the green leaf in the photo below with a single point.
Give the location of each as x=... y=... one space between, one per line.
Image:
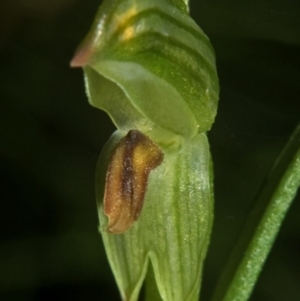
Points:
x=260 y=231
x=172 y=233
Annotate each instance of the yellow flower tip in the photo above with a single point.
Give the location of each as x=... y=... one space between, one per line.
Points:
x=126 y=180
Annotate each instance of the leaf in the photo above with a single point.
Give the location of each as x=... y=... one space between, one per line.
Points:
x=260 y=231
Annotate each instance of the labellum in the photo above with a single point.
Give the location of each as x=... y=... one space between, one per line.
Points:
x=126 y=180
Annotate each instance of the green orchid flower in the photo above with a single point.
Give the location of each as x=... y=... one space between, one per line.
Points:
x=152 y=69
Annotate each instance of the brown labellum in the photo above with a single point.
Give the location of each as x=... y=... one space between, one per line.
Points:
x=126 y=179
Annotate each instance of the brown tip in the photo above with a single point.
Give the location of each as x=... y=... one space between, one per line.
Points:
x=82 y=55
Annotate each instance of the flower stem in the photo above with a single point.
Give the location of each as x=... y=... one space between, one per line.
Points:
x=261 y=228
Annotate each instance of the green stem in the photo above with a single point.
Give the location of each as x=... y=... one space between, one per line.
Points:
x=262 y=226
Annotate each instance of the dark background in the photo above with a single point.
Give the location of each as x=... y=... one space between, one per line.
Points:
x=50 y=139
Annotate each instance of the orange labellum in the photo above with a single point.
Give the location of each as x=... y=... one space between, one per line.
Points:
x=126 y=179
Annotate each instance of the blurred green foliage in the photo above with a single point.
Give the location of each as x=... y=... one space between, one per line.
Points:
x=50 y=139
